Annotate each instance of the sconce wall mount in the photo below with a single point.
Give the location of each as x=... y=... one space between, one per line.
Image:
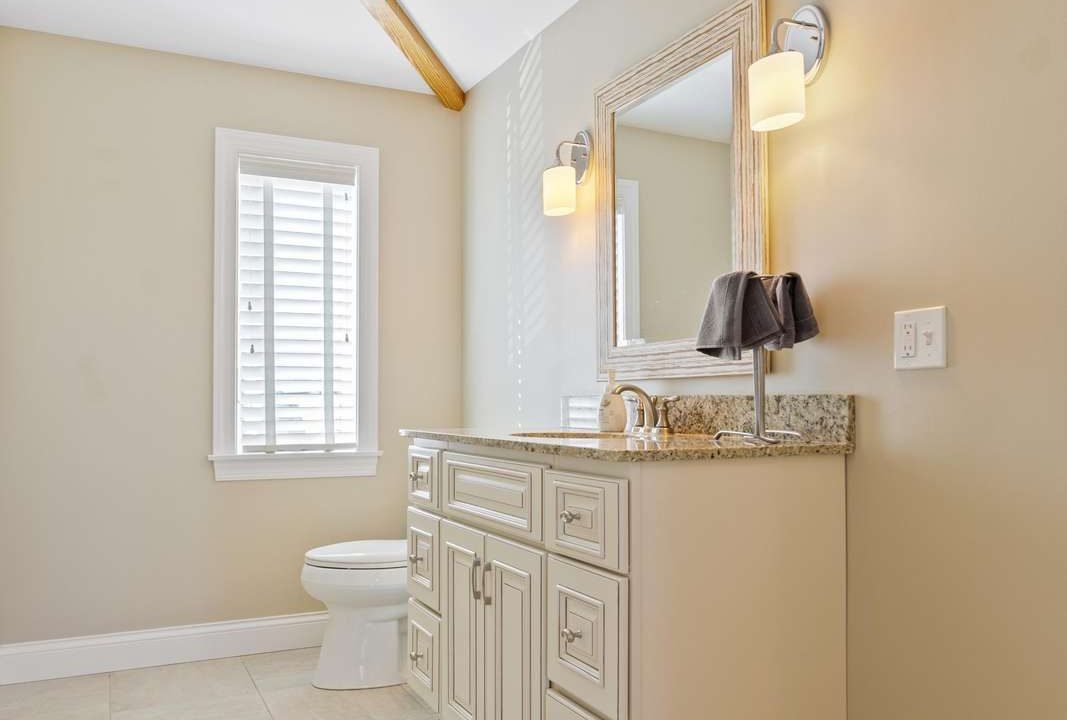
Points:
x=808 y=33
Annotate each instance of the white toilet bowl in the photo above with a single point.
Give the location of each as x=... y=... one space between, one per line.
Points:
x=363 y=585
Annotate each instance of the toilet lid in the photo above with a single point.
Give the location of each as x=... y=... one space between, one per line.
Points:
x=360 y=554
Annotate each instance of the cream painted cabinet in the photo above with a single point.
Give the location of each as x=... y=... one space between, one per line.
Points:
x=463 y=614
x=582 y=589
x=514 y=608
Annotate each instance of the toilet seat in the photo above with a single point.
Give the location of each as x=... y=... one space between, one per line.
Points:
x=359 y=555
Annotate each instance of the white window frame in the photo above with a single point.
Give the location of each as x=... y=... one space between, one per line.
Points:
x=229 y=464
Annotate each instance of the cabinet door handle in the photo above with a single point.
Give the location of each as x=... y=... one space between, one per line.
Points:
x=486 y=570
x=569 y=635
x=568 y=517
x=475 y=568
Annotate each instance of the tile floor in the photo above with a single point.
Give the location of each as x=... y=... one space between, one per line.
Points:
x=273 y=686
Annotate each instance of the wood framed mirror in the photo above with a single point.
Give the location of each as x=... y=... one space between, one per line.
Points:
x=680 y=196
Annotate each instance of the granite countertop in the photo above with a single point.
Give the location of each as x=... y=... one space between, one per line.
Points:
x=827 y=423
x=619 y=447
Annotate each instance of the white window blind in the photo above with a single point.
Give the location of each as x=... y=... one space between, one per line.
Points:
x=296 y=301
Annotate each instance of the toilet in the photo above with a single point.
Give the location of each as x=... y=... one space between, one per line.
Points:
x=363 y=585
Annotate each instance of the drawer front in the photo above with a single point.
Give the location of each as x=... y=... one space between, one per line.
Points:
x=424 y=656
x=587 y=517
x=558 y=707
x=495 y=494
x=424 y=532
x=424 y=478
x=587 y=634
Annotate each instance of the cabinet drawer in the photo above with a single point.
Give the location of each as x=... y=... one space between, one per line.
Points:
x=558 y=707
x=496 y=494
x=586 y=517
x=424 y=532
x=424 y=478
x=587 y=636
x=424 y=656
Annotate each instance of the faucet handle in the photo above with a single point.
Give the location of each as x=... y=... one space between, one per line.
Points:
x=663 y=404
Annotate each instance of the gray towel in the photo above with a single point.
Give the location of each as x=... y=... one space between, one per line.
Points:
x=793 y=306
x=739 y=316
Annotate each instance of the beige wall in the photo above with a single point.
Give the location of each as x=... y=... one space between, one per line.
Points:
x=928 y=171
x=685 y=219
x=110 y=518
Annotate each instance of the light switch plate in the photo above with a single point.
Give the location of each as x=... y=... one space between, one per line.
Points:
x=919 y=339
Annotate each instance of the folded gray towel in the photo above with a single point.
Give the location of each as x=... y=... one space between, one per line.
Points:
x=793 y=306
x=739 y=316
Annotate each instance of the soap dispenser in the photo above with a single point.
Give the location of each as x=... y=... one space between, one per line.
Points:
x=612 y=414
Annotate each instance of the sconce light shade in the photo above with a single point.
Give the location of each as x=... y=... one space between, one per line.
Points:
x=559 y=191
x=776 y=91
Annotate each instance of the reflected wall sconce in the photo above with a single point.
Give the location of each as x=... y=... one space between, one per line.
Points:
x=559 y=191
x=776 y=82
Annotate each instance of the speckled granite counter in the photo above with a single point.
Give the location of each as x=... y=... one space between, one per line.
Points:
x=826 y=421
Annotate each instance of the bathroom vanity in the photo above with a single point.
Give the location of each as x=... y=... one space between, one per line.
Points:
x=589 y=575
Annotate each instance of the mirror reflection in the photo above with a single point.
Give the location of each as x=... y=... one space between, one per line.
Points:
x=673 y=204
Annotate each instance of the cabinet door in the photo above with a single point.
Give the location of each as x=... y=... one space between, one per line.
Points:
x=423 y=529
x=462 y=554
x=424 y=480
x=424 y=657
x=587 y=635
x=514 y=606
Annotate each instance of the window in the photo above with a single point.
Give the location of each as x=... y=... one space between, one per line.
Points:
x=295 y=308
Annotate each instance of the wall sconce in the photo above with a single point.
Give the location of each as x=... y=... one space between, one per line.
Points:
x=776 y=82
x=558 y=185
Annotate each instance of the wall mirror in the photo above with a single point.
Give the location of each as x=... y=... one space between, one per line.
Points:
x=680 y=196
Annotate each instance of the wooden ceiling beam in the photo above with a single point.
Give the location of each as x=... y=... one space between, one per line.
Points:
x=396 y=23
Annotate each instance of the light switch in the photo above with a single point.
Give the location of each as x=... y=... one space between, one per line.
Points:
x=919 y=339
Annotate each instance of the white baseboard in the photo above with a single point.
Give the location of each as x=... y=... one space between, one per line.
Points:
x=66 y=657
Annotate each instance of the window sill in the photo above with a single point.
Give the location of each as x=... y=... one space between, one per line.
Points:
x=286 y=466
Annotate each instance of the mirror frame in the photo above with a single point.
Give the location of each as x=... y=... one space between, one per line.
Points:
x=740 y=28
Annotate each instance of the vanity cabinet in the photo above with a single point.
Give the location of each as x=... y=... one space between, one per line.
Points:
x=554 y=587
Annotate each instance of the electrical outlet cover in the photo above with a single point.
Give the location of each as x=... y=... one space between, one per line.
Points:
x=919 y=339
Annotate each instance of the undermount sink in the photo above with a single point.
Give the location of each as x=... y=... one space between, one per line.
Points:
x=571 y=434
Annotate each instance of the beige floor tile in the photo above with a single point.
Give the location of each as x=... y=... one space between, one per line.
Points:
x=305 y=702
x=393 y=703
x=78 y=698
x=175 y=684
x=280 y=670
x=240 y=707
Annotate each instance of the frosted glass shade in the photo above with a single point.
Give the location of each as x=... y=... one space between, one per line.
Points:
x=776 y=91
x=559 y=190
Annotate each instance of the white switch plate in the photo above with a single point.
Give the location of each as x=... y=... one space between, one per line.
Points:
x=919 y=339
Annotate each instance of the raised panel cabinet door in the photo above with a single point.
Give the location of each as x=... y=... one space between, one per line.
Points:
x=423 y=532
x=514 y=607
x=586 y=637
x=587 y=517
x=424 y=478
x=424 y=657
x=462 y=618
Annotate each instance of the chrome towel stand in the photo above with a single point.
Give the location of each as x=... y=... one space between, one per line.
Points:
x=759 y=381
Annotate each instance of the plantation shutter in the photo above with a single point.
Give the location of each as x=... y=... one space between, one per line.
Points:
x=296 y=300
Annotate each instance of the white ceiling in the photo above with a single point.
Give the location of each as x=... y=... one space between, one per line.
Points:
x=699 y=105
x=329 y=38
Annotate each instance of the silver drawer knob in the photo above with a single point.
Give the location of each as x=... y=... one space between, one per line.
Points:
x=413 y=477
x=415 y=656
x=569 y=635
x=568 y=517
x=414 y=558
